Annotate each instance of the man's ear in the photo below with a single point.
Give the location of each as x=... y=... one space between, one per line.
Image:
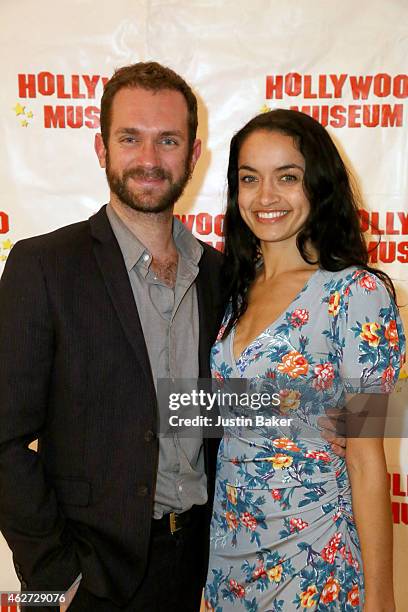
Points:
x=196 y=154
x=100 y=150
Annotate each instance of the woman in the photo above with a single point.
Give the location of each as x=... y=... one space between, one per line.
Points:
x=293 y=524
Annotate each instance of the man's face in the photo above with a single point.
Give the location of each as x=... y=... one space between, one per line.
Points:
x=148 y=160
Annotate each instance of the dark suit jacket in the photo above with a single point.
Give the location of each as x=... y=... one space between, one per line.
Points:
x=75 y=373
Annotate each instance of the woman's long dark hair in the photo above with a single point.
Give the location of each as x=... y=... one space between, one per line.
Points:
x=332 y=227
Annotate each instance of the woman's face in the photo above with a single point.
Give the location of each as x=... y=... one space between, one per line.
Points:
x=271 y=198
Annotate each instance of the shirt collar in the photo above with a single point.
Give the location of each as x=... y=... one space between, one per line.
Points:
x=135 y=253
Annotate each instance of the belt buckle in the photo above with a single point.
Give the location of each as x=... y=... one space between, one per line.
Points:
x=173 y=523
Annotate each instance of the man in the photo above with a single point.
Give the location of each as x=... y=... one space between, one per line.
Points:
x=90 y=317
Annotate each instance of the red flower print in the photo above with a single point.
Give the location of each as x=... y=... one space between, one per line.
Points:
x=353 y=596
x=307 y=598
x=299 y=317
x=218 y=376
x=293 y=364
x=367 y=282
x=296 y=524
x=259 y=572
x=221 y=332
x=249 y=521
x=369 y=333
x=330 y=590
x=232 y=520
x=324 y=375
x=237 y=588
x=276 y=494
x=334 y=304
x=318 y=455
x=286 y=444
x=329 y=552
x=387 y=378
x=391 y=333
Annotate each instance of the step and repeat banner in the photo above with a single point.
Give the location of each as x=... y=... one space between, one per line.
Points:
x=343 y=63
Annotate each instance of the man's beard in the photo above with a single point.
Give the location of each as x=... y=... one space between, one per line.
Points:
x=118 y=186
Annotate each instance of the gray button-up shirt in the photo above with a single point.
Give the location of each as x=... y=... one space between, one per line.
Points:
x=169 y=318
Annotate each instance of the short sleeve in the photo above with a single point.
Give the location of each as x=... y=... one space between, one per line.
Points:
x=371 y=334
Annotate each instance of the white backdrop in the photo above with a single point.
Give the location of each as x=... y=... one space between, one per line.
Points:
x=342 y=62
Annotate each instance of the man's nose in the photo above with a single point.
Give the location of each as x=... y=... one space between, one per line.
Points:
x=148 y=155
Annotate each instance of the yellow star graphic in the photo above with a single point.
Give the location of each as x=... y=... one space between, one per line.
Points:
x=19 y=110
x=265 y=109
x=3 y=257
x=29 y=114
x=24 y=123
x=7 y=244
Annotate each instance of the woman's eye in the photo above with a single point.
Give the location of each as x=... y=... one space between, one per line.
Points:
x=289 y=178
x=247 y=178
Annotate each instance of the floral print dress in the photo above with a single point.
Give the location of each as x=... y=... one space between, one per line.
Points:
x=283 y=536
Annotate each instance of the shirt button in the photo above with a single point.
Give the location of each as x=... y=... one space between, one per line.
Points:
x=149 y=435
x=142 y=490
x=180 y=488
x=145 y=257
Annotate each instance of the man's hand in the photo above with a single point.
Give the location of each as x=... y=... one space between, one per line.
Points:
x=334 y=430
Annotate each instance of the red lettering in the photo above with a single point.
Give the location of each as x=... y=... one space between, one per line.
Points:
x=26 y=86
x=360 y=87
x=364 y=219
x=392 y=117
x=354 y=116
x=338 y=116
x=293 y=84
x=402 y=257
x=382 y=85
x=307 y=87
x=46 y=83
x=203 y=224
x=323 y=93
x=4 y=223
x=396 y=486
x=61 y=93
x=403 y=217
x=54 y=116
x=75 y=116
x=274 y=87
x=375 y=222
x=219 y=225
x=92 y=115
x=387 y=252
x=76 y=93
x=371 y=115
x=399 y=513
x=400 y=88
x=90 y=84
x=389 y=224
x=5 y=605
x=338 y=82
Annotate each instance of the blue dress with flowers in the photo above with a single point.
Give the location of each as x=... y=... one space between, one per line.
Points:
x=283 y=536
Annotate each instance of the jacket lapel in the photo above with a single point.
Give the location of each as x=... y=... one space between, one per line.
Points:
x=110 y=261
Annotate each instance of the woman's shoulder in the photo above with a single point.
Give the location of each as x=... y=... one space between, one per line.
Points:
x=352 y=279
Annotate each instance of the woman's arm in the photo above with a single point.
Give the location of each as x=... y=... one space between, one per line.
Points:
x=372 y=512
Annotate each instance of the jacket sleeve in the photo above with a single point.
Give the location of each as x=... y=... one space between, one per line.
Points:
x=30 y=519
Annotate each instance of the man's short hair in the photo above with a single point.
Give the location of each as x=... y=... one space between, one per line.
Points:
x=151 y=76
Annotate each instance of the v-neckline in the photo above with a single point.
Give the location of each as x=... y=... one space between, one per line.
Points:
x=237 y=359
